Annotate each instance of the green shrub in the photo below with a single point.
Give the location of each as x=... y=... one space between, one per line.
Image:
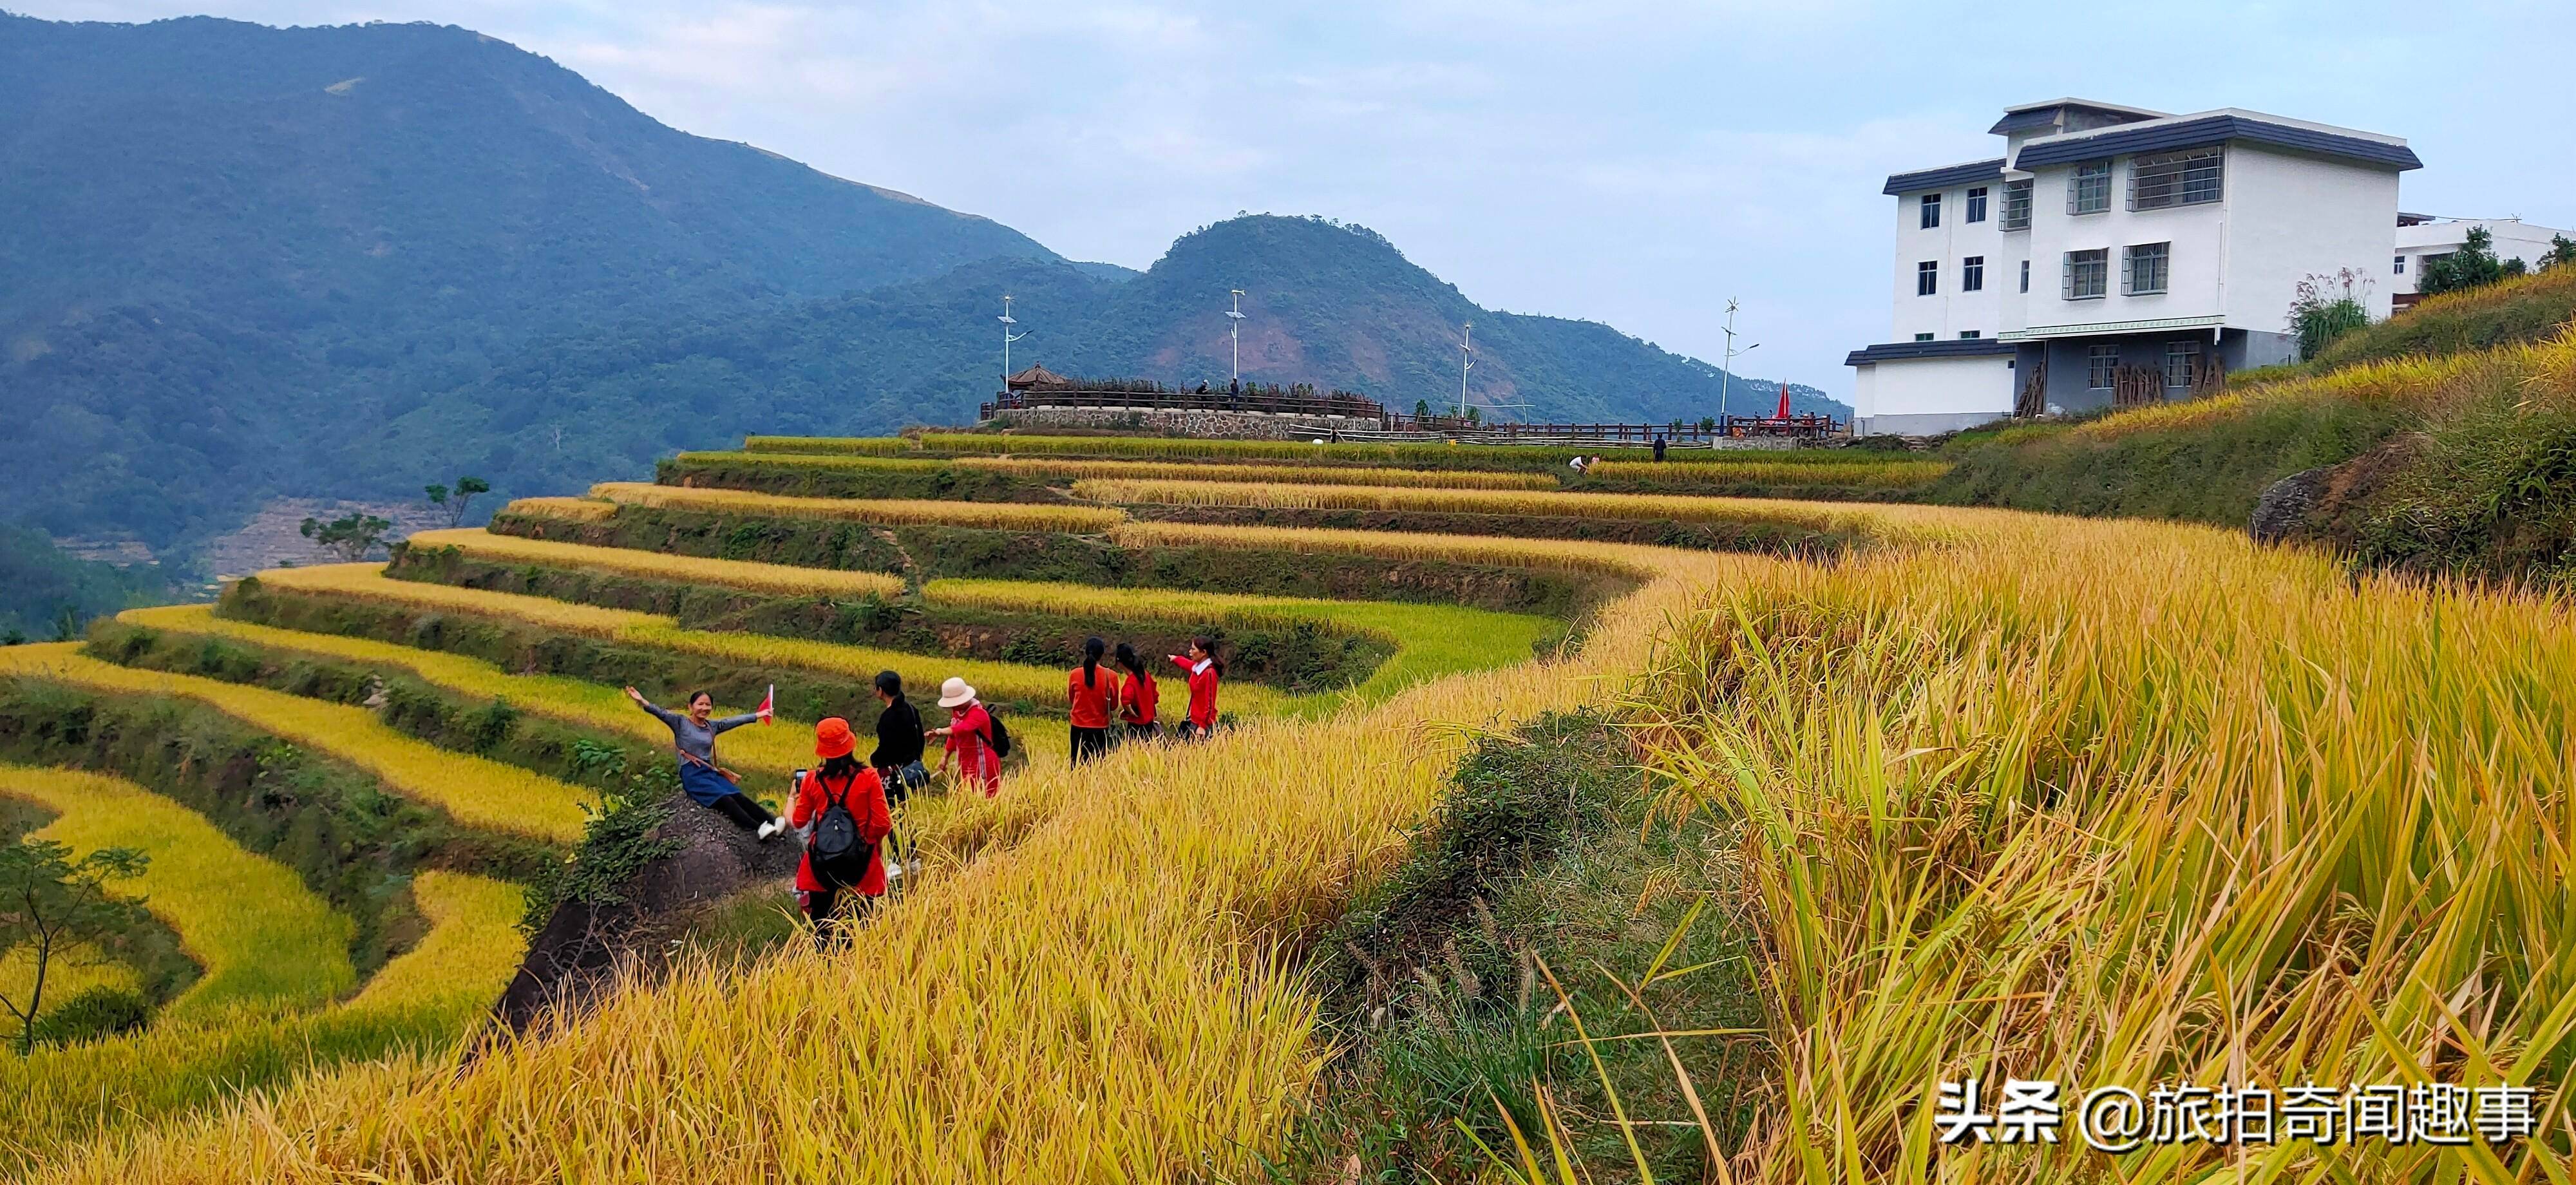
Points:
x=101 y=1011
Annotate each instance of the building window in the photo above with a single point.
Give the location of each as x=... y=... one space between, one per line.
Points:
x=2175 y=179
x=1972 y=274
x=1931 y=210
x=1966 y=335
x=2146 y=268
x=2016 y=215
x=1977 y=204
x=1923 y=337
x=2025 y=275
x=2088 y=190
x=1927 y=277
x=2182 y=361
x=2088 y=274
x=2099 y=363
x=2401 y=265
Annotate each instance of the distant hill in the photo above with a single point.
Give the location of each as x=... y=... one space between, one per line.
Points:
x=229 y=246
x=1328 y=304
x=246 y=263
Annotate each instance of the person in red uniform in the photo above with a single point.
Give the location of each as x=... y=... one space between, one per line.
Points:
x=1137 y=696
x=845 y=780
x=1201 y=662
x=970 y=737
x=1091 y=690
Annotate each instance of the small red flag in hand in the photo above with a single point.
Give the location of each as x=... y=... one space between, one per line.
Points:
x=769 y=705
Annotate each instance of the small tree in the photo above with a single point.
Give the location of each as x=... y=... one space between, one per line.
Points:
x=2562 y=251
x=352 y=535
x=454 y=502
x=1421 y=409
x=1708 y=423
x=1475 y=415
x=2474 y=265
x=67 y=624
x=59 y=910
x=2328 y=307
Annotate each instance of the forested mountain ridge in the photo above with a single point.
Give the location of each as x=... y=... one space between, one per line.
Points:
x=231 y=248
x=1324 y=303
x=247 y=262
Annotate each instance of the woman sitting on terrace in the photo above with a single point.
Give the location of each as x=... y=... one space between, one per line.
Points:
x=708 y=784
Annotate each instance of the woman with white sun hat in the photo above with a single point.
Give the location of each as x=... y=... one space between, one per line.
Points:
x=975 y=738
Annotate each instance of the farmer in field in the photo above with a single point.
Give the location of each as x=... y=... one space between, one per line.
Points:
x=970 y=737
x=1137 y=696
x=897 y=758
x=1090 y=690
x=841 y=809
x=1201 y=662
x=711 y=785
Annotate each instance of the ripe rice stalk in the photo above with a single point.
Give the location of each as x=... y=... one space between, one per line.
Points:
x=999 y=516
x=1461 y=479
x=1529 y=458
x=263 y=939
x=1876 y=475
x=473 y=948
x=768 y=753
x=793 y=460
x=782 y=579
x=867 y=445
x=997 y=681
x=1677 y=507
x=1430 y=640
x=473 y=791
x=580 y=510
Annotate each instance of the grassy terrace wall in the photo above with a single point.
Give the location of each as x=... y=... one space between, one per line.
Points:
x=933 y=552
x=1305 y=657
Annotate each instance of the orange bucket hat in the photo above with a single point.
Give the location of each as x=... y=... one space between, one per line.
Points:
x=832 y=738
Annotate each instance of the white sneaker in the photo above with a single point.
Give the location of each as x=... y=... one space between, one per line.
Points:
x=894 y=871
x=772 y=827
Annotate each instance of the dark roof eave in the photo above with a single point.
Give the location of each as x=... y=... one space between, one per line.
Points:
x=1945 y=177
x=1956 y=347
x=2215 y=129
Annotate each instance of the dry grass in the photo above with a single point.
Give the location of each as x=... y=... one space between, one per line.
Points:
x=583 y=510
x=473 y=791
x=262 y=938
x=999 y=516
x=780 y=579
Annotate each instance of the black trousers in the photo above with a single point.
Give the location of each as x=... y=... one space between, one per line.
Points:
x=1089 y=743
x=745 y=813
x=1144 y=732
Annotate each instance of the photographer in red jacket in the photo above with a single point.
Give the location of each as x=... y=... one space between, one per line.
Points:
x=844 y=784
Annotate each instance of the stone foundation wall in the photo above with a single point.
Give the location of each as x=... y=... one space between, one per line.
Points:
x=1235 y=425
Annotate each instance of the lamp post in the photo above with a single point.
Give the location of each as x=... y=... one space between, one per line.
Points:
x=1466 y=362
x=1235 y=311
x=1007 y=338
x=1726 y=373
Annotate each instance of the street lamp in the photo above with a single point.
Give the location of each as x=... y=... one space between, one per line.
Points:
x=1726 y=373
x=1007 y=338
x=1466 y=362
x=1236 y=312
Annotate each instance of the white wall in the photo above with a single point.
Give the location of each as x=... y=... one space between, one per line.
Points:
x=1934 y=386
x=1950 y=310
x=2514 y=239
x=2295 y=216
x=2198 y=234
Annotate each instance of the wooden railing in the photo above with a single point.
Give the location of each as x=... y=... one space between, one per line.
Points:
x=1336 y=413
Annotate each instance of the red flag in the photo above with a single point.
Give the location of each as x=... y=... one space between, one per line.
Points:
x=1784 y=400
x=768 y=705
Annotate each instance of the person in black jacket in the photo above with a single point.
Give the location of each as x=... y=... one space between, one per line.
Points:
x=897 y=758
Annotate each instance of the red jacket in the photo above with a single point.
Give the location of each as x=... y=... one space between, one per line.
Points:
x=1091 y=704
x=969 y=740
x=865 y=799
x=1136 y=699
x=1202 y=690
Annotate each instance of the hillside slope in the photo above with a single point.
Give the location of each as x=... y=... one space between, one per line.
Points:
x=1324 y=303
x=243 y=243
x=2441 y=440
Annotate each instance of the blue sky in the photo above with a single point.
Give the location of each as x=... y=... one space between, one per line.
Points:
x=1629 y=162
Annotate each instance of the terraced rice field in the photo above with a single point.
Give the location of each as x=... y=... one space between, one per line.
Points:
x=475 y=792
x=261 y=937
x=2111 y=801
x=1047 y=467
x=999 y=516
x=779 y=579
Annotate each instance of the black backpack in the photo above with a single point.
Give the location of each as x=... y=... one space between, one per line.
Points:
x=841 y=858
x=1001 y=737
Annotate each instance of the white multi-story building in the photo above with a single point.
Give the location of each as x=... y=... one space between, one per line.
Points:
x=2117 y=255
x=2423 y=238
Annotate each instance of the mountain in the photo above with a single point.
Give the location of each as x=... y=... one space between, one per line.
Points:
x=230 y=247
x=1325 y=303
x=245 y=262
